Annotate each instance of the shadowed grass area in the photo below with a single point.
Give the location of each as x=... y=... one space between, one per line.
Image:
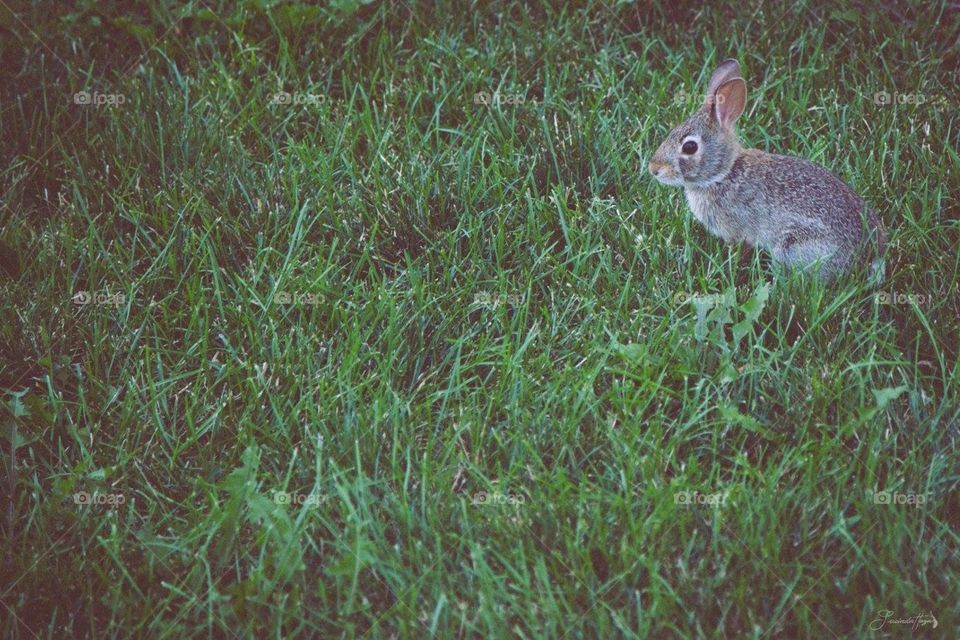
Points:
x=365 y=319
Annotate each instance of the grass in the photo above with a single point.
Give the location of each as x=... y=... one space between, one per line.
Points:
x=394 y=359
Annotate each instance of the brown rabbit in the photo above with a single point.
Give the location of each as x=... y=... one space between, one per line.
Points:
x=797 y=211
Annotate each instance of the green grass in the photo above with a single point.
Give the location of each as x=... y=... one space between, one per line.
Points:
x=392 y=299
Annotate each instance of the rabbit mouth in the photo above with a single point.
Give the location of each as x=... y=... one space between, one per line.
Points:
x=670 y=179
x=664 y=173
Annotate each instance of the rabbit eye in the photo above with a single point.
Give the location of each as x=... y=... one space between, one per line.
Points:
x=689 y=148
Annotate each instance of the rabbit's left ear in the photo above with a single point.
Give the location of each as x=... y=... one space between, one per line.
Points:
x=727 y=70
x=729 y=101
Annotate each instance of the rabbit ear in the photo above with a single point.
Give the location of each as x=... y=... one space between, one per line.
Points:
x=730 y=99
x=727 y=70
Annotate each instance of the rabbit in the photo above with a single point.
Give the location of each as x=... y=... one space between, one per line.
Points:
x=795 y=210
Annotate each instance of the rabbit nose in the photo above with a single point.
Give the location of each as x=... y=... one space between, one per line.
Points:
x=654 y=168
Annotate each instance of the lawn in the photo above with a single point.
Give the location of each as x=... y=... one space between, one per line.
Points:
x=365 y=319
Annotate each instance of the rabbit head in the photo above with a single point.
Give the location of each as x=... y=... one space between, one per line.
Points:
x=700 y=151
